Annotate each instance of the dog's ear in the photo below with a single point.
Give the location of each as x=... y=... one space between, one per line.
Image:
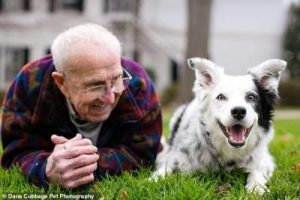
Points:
x=268 y=73
x=206 y=71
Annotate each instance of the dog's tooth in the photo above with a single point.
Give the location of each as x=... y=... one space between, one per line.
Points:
x=228 y=130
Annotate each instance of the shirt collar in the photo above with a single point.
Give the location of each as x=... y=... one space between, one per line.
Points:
x=73 y=115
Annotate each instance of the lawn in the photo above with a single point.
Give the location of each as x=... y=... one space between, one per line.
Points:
x=285 y=184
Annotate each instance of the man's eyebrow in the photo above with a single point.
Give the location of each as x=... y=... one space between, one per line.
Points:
x=100 y=82
x=117 y=76
x=93 y=83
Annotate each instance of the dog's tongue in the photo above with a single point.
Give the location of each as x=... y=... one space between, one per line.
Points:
x=237 y=133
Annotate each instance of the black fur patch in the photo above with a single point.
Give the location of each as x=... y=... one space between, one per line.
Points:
x=249 y=160
x=198 y=146
x=202 y=123
x=176 y=163
x=176 y=126
x=265 y=105
x=185 y=151
x=230 y=165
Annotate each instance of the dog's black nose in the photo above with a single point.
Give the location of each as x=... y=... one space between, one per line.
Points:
x=238 y=113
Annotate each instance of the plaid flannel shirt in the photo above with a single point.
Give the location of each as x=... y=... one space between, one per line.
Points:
x=34 y=109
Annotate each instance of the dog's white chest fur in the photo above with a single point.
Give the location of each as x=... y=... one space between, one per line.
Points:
x=227 y=125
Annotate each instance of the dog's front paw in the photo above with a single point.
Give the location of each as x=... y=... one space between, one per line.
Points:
x=256 y=183
x=256 y=188
x=160 y=174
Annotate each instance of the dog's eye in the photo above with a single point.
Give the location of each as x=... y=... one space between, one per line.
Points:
x=221 y=97
x=251 y=97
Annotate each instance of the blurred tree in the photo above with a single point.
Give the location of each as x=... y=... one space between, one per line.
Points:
x=136 y=6
x=197 y=43
x=291 y=46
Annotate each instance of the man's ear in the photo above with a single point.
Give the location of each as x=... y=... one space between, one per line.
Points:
x=268 y=73
x=59 y=80
x=207 y=73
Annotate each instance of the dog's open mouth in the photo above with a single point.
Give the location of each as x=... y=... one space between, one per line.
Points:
x=236 y=134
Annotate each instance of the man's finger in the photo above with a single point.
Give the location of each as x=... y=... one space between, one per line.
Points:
x=78 y=136
x=79 y=172
x=76 y=151
x=81 y=181
x=79 y=161
x=58 y=139
x=84 y=160
x=75 y=143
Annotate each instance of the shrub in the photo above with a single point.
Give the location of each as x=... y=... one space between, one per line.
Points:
x=169 y=94
x=289 y=92
x=151 y=73
x=291 y=42
x=2 y=95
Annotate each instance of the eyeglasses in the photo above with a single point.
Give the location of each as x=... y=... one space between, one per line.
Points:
x=117 y=85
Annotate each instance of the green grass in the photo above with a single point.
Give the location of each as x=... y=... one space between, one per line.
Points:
x=285 y=183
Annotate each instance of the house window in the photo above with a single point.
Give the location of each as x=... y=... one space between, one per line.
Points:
x=15 y=5
x=136 y=55
x=16 y=58
x=174 y=71
x=48 y=51
x=71 y=5
x=116 y=6
x=2 y=68
x=1 y=6
x=27 y=5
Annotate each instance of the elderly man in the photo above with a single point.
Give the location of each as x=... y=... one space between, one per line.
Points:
x=80 y=113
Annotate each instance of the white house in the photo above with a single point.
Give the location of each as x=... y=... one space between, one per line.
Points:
x=27 y=27
x=243 y=33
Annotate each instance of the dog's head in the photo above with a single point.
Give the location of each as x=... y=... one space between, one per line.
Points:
x=235 y=105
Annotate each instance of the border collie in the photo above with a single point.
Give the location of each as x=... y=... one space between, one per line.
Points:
x=227 y=125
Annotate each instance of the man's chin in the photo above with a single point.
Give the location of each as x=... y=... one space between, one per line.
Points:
x=98 y=118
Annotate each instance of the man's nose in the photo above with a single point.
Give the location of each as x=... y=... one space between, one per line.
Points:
x=109 y=96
